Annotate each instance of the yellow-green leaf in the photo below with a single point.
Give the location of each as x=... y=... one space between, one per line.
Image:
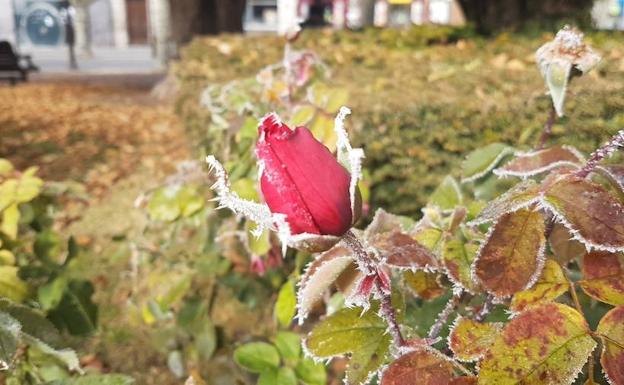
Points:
x=422 y=367
x=551 y=284
x=302 y=115
x=348 y=331
x=511 y=258
x=482 y=160
x=545 y=345
x=458 y=258
x=470 y=340
x=447 y=195
x=425 y=285
x=11 y=285
x=286 y=304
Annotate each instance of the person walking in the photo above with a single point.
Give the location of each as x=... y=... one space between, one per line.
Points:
x=68 y=14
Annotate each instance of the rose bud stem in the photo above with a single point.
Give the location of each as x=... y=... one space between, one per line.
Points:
x=369 y=267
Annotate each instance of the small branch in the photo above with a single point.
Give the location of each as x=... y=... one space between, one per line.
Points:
x=609 y=340
x=602 y=153
x=442 y=319
x=368 y=267
x=485 y=309
x=547 y=131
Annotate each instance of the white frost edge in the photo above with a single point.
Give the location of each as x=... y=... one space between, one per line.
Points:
x=302 y=285
x=488 y=219
x=502 y=173
x=559 y=218
x=455 y=324
x=504 y=152
x=256 y=212
x=354 y=155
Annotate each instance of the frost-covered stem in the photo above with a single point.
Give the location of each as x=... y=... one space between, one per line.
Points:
x=547 y=129
x=442 y=319
x=485 y=309
x=368 y=266
x=602 y=153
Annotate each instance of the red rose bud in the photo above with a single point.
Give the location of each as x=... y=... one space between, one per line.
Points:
x=303 y=180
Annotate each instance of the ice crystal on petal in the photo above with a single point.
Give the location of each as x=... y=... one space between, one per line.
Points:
x=347 y=155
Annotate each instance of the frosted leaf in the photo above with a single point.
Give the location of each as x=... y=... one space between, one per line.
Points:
x=527 y=164
x=348 y=156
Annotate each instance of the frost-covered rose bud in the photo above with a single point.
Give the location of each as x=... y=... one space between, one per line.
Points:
x=302 y=179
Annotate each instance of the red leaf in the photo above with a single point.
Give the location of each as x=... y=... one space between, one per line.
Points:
x=536 y=162
x=422 y=367
x=603 y=277
x=405 y=252
x=611 y=327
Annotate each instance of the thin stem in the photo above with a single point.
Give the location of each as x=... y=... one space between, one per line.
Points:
x=602 y=153
x=485 y=309
x=547 y=131
x=367 y=265
x=442 y=319
x=610 y=340
x=462 y=368
x=577 y=303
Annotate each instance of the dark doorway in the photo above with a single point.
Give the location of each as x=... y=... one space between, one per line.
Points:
x=137 y=21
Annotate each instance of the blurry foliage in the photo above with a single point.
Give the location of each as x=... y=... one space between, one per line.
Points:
x=419 y=108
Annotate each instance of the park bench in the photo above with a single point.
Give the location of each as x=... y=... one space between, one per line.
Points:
x=14 y=67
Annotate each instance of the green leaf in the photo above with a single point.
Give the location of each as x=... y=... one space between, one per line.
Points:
x=206 y=340
x=163 y=206
x=258 y=245
x=7 y=258
x=511 y=258
x=286 y=304
x=286 y=376
x=28 y=186
x=268 y=377
x=557 y=75
x=5 y=167
x=337 y=98
x=11 y=285
x=189 y=200
x=76 y=312
x=458 y=258
x=551 y=284
x=33 y=323
x=545 y=345
x=302 y=115
x=10 y=220
x=519 y=196
x=288 y=345
x=257 y=357
x=51 y=294
x=311 y=373
x=482 y=160
x=470 y=340
x=67 y=356
x=246 y=188
x=47 y=245
x=447 y=195
x=9 y=338
x=348 y=331
x=611 y=328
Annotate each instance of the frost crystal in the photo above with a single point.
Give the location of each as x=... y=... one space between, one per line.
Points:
x=347 y=155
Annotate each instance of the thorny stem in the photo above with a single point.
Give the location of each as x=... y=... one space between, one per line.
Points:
x=367 y=266
x=602 y=153
x=442 y=319
x=547 y=129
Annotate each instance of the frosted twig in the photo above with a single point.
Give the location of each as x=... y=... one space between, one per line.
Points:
x=602 y=153
x=347 y=154
x=442 y=319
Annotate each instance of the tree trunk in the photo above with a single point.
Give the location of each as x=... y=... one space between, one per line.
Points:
x=230 y=15
x=83 y=30
x=494 y=15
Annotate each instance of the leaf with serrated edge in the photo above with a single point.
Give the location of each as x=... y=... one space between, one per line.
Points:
x=9 y=337
x=470 y=340
x=348 y=331
x=611 y=327
x=536 y=162
x=603 y=277
x=423 y=284
x=564 y=247
x=512 y=256
x=482 y=160
x=551 y=284
x=425 y=367
x=403 y=251
x=588 y=210
x=383 y=222
x=545 y=345
x=522 y=195
x=319 y=275
x=458 y=257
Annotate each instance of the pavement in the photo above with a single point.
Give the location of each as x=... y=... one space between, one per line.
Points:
x=133 y=66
